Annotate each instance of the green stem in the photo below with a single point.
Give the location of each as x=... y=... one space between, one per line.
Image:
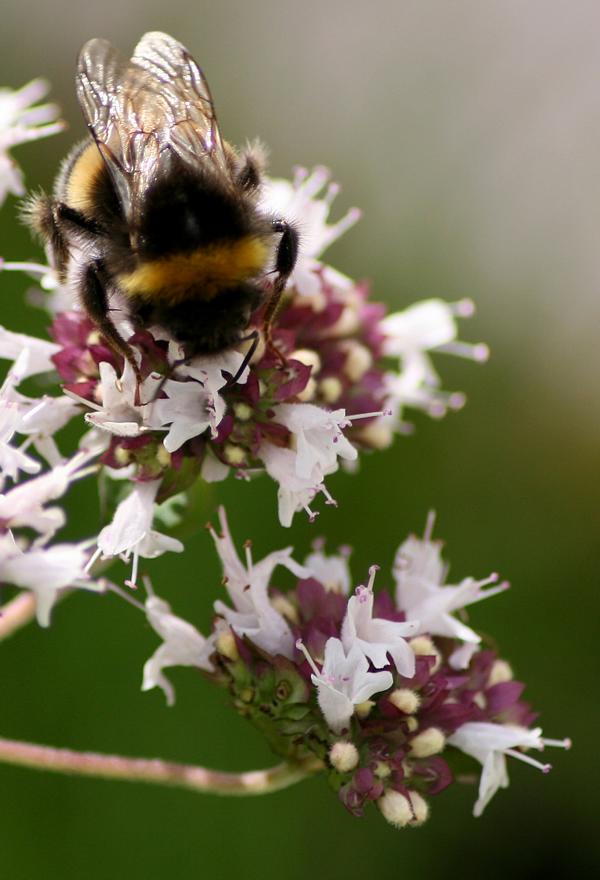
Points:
x=155 y=770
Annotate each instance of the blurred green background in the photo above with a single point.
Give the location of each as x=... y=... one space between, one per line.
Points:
x=469 y=132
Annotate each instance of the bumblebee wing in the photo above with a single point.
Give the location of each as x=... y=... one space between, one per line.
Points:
x=193 y=129
x=126 y=115
x=142 y=111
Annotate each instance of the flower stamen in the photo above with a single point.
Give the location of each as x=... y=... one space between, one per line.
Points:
x=527 y=759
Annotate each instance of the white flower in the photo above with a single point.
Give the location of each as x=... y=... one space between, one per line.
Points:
x=37 y=419
x=52 y=296
x=317 y=437
x=299 y=202
x=247 y=585
x=376 y=637
x=45 y=571
x=123 y=411
x=295 y=493
x=423 y=327
x=23 y=505
x=44 y=418
x=130 y=532
x=213 y=470
x=182 y=645
x=418 y=386
x=209 y=369
x=188 y=409
x=12 y=459
x=318 y=442
x=331 y=571
x=21 y=122
x=421 y=593
x=344 y=682
x=461 y=657
x=489 y=744
x=47 y=415
x=39 y=351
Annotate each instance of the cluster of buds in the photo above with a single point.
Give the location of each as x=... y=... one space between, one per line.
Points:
x=383 y=688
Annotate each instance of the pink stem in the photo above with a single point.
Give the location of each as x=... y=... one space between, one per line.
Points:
x=155 y=770
x=15 y=614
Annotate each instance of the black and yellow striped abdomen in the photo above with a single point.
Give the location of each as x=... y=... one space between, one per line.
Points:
x=197 y=275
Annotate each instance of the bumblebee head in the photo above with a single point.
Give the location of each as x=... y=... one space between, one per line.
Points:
x=209 y=326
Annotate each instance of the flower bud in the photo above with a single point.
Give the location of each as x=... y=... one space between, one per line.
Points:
x=395 y=808
x=363 y=710
x=235 y=455
x=330 y=389
x=377 y=435
x=423 y=647
x=308 y=393
x=285 y=607
x=405 y=700
x=428 y=742
x=382 y=770
x=308 y=357
x=243 y=411
x=420 y=808
x=343 y=756
x=225 y=645
x=163 y=457
x=122 y=455
x=358 y=360
x=500 y=672
x=347 y=323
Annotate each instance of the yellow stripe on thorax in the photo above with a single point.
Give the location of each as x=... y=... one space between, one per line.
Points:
x=205 y=271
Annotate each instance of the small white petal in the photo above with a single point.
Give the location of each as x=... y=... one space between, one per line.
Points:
x=182 y=645
x=254 y=615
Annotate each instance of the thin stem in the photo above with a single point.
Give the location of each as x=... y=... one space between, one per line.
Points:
x=17 y=613
x=155 y=770
x=22 y=609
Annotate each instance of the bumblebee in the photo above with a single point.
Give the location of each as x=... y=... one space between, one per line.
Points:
x=156 y=211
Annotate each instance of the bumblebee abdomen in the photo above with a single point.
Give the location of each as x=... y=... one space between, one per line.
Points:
x=200 y=274
x=82 y=178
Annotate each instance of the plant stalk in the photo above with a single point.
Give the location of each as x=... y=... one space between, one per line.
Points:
x=156 y=771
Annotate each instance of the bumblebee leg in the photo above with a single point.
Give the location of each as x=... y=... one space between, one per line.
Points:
x=95 y=302
x=285 y=260
x=254 y=336
x=39 y=213
x=250 y=173
x=66 y=216
x=55 y=223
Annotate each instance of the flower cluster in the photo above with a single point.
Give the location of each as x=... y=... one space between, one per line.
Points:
x=20 y=122
x=33 y=563
x=384 y=688
x=349 y=373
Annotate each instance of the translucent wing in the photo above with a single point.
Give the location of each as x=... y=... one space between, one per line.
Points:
x=143 y=111
x=194 y=132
